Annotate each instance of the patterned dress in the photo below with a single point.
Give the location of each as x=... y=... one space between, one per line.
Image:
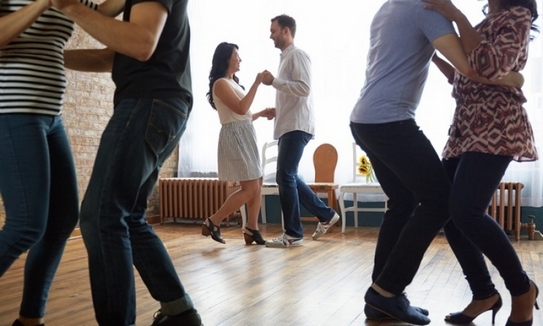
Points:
x=488 y=118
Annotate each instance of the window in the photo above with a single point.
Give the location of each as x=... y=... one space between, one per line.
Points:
x=336 y=37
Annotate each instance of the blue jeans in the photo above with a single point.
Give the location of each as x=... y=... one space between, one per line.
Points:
x=471 y=232
x=417 y=187
x=141 y=134
x=292 y=190
x=39 y=188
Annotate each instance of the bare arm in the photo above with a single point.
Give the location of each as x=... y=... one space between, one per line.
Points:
x=136 y=38
x=513 y=78
x=268 y=113
x=449 y=45
x=14 y=24
x=470 y=38
x=98 y=60
x=111 y=8
x=227 y=95
x=444 y=67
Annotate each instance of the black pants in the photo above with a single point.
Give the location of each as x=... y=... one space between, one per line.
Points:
x=413 y=178
x=471 y=232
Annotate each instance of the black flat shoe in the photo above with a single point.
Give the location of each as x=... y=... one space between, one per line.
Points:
x=18 y=323
x=373 y=314
x=187 y=318
x=251 y=235
x=397 y=307
x=212 y=230
x=458 y=318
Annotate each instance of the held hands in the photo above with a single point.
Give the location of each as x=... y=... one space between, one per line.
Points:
x=268 y=113
x=444 y=7
x=267 y=78
x=259 y=78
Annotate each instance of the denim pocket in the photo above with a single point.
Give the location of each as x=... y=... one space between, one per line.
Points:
x=167 y=122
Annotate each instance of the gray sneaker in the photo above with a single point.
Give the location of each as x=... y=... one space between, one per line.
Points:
x=285 y=241
x=323 y=227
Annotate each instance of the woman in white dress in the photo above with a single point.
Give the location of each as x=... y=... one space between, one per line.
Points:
x=238 y=152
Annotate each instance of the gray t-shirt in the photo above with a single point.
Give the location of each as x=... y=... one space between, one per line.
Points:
x=398 y=61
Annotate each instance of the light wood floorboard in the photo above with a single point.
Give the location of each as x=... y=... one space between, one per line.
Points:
x=321 y=283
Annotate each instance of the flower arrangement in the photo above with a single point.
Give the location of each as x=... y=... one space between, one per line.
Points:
x=366 y=169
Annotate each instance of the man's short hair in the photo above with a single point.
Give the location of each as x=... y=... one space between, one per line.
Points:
x=286 y=21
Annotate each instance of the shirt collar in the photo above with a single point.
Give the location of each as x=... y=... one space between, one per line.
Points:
x=287 y=50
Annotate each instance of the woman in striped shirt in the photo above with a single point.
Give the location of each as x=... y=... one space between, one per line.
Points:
x=37 y=174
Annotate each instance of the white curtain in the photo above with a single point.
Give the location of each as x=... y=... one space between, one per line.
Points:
x=336 y=36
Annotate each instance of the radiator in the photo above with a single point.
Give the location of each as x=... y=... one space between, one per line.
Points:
x=505 y=207
x=192 y=197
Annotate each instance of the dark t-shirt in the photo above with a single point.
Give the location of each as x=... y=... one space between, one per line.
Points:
x=167 y=73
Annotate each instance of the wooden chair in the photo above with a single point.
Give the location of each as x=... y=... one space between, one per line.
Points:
x=357 y=187
x=325 y=162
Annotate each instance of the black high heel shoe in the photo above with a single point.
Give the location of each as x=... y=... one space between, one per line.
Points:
x=212 y=230
x=458 y=318
x=528 y=322
x=254 y=236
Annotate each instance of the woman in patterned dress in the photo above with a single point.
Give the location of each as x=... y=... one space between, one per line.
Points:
x=237 y=153
x=37 y=175
x=490 y=128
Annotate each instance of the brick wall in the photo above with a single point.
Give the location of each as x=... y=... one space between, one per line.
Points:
x=87 y=109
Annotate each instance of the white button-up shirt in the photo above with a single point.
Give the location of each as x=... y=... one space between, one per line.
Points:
x=293 y=100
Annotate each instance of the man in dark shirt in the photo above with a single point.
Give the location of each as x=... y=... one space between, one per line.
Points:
x=148 y=54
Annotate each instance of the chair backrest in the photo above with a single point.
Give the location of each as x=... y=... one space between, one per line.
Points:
x=269 y=155
x=325 y=162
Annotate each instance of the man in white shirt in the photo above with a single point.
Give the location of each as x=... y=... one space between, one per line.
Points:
x=294 y=128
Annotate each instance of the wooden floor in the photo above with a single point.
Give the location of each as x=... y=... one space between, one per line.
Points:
x=321 y=283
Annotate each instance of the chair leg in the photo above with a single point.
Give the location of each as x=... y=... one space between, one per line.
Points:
x=243 y=216
x=342 y=210
x=263 y=210
x=355 y=211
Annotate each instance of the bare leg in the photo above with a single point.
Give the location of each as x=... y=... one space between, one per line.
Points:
x=238 y=198
x=253 y=207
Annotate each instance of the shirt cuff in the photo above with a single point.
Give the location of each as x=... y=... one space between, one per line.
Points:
x=277 y=83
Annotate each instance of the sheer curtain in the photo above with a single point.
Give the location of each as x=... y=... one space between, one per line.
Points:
x=337 y=38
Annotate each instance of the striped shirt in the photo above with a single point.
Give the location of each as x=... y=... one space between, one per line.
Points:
x=32 y=76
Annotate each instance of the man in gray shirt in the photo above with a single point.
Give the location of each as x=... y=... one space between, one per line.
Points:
x=404 y=36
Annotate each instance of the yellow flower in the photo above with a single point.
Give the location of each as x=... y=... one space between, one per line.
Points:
x=366 y=169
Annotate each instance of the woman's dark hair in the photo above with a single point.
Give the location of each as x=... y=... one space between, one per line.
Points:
x=528 y=4
x=219 y=66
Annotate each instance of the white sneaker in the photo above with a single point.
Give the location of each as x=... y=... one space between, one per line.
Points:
x=323 y=227
x=285 y=241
